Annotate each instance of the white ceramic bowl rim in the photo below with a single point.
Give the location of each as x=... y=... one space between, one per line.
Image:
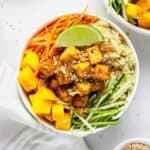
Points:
x=140 y=30
x=132 y=140
x=81 y=134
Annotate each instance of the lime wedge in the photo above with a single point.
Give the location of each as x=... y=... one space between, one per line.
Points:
x=79 y=35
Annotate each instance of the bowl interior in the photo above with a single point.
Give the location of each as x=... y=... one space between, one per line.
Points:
x=121 y=20
x=50 y=127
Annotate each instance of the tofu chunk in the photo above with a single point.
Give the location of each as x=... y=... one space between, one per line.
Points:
x=46 y=69
x=97 y=86
x=80 y=101
x=62 y=92
x=94 y=54
x=70 y=53
x=101 y=72
x=83 y=88
x=82 y=69
x=54 y=84
x=64 y=77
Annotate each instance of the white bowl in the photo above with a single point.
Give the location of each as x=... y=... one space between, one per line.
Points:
x=133 y=140
x=28 y=106
x=130 y=26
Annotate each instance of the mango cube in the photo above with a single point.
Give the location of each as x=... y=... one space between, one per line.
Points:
x=27 y=79
x=41 y=107
x=32 y=98
x=144 y=20
x=31 y=60
x=46 y=94
x=65 y=123
x=133 y=10
x=57 y=111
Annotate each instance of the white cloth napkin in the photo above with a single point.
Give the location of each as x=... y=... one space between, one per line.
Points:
x=12 y=107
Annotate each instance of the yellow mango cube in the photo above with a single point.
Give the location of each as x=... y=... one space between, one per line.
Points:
x=32 y=98
x=57 y=111
x=133 y=10
x=145 y=4
x=47 y=94
x=27 y=79
x=144 y=20
x=65 y=123
x=31 y=60
x=41 y=107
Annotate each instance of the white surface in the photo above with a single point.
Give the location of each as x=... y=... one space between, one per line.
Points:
x=20 y=18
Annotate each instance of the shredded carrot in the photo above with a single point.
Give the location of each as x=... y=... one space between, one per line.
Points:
x=43 y=42
x=82 y=15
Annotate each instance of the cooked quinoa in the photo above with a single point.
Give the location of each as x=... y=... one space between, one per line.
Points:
x=120 y=55
x=136 y=146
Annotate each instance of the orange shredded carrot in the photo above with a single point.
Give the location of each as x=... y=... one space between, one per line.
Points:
x=43 y=42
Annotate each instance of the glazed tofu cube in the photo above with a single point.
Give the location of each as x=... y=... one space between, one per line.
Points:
x=31 y=60
x=46 y=69
x=94 y=54
x=62 y=92
x=70 y=53
x=54 y=84
x=101 y=72
x=65 y=123
x=82 y=69
x=97 y=86
x=57 y=112
x=83 y=88
x=64 y=77
x=80 y=101
x=27 y=79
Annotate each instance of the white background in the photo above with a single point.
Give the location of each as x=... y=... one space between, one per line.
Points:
x=18 y=21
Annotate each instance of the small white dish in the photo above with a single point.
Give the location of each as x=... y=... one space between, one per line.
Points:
x=121 y=20
x=133 y=140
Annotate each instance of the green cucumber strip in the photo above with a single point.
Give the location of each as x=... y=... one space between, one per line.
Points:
x=106 y=123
